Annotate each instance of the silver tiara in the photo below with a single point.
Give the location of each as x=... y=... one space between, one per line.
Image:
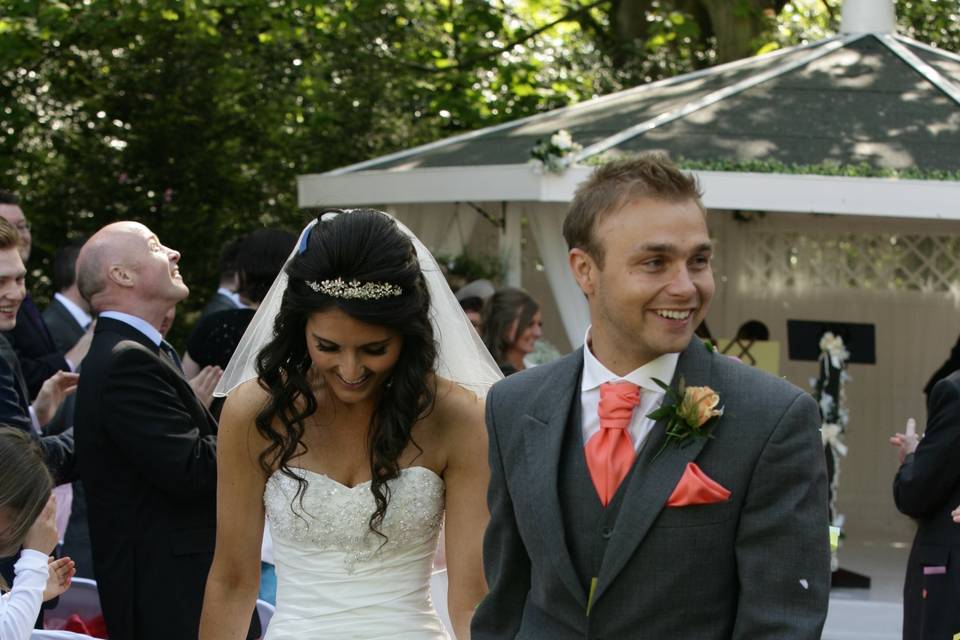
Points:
x=356 y=290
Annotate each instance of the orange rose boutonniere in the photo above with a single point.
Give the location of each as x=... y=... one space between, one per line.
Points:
x=688 y=410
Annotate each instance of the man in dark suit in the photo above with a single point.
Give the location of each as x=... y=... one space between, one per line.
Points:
x=68 y=315
x=927 y=487
x=146 y=446
x=226 y=297
x=602 y=526
x=30 y=338
x=15 y=407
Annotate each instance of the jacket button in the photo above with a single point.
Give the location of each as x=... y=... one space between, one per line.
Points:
x=605 y=533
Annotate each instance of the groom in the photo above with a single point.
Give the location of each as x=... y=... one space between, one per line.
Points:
x=602 y=526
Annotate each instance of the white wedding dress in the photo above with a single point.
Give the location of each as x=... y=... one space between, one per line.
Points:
x=337 y=579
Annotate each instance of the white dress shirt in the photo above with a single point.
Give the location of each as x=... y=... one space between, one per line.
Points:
x=651 y=395
x=82 y=317
x=233 y=295
x=139 y=324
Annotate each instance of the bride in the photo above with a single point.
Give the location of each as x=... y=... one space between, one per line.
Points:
x=356 y=439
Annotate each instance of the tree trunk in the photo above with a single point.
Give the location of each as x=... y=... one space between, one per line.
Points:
x=737 y=24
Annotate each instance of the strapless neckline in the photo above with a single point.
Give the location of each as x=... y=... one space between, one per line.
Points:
x=365 y=483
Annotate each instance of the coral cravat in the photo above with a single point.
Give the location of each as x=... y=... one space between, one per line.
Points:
x=610 y=453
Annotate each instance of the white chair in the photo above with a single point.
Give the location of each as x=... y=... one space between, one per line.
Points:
x=265 y=611
x=81 y=598
x=438 y=593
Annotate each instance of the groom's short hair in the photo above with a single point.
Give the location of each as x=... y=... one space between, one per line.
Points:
x=614 y=185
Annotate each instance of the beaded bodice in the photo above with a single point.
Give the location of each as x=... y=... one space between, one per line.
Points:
x=338 y=579
x=334 y=517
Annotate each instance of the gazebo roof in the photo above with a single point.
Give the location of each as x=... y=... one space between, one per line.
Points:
x=884 y=100
x=877 y=99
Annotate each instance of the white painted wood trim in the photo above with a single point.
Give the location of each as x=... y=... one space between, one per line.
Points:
x=926 y=47
x=886 y=197
x=932 y=75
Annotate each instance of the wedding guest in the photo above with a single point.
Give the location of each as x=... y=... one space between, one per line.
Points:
x=28 y=527
x=68 y=314
x=146 y=445
x=472 y=296
x=30 y=338
x=16 y=408
x=927 y=488
x=260 y=257
x=225 y=297
x=512 y=324
x=952 y=364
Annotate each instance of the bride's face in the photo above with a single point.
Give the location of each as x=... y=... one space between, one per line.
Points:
x=354 y=358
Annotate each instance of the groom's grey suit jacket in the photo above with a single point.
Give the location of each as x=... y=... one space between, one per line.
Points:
x=756 y=566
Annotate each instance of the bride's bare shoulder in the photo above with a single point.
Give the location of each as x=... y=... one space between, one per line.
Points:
x=457 y=407
x=244 y=403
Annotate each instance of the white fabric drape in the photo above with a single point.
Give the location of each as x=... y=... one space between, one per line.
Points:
x=445 y=228
x=546 y=224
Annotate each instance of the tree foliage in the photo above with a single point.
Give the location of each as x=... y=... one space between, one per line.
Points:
x=196 y=116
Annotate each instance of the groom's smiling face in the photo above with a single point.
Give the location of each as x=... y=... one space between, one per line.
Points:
x=653 y=284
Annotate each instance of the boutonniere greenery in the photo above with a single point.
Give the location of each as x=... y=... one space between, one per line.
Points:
x=689 y=412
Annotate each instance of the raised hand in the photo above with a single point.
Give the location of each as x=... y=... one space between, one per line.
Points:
x=60 y=574
x=907 y=442
x=43 y=535
x=52 y=394
x=205 y=382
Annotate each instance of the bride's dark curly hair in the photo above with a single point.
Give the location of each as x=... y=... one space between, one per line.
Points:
x=364 y=245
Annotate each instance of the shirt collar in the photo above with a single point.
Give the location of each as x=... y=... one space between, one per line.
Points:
x=595 y=373
x=233 y=295
x=139 y=324
x=82 y=317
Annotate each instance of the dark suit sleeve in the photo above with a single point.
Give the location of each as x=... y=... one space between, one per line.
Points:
x=58 y=453
x=930 y=474
x=11 y=411
x=36 y=368
x=782 y=547
x=506 y=563
x=148 y=420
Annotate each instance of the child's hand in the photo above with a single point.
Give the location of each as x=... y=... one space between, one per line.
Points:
x=43 y=535
x=61 y=572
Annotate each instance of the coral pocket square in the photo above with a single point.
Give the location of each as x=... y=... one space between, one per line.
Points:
x=696 y=487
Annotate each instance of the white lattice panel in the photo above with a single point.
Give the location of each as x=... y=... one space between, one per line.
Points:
x=873 y=261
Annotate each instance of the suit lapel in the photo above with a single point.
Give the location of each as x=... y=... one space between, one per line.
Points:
x=655 y=476
x=543 y=433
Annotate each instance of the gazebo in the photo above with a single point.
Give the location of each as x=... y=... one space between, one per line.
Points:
x=829 y=170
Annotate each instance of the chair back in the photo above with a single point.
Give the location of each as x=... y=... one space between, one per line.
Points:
x=82 y=599
x=265 y=611
x=438 y=594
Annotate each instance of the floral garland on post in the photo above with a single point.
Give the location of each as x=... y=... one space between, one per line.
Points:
x=553 y=153
x=829 y=391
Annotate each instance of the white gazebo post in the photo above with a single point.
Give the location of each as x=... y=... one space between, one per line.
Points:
x=868 y=16
x=511 y=239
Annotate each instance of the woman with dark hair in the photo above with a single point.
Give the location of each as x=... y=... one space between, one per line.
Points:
x=512 y=324
x=354 y=442
x=27 y=526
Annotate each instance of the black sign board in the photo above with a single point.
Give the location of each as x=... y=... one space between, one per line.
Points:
x=803 y=339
